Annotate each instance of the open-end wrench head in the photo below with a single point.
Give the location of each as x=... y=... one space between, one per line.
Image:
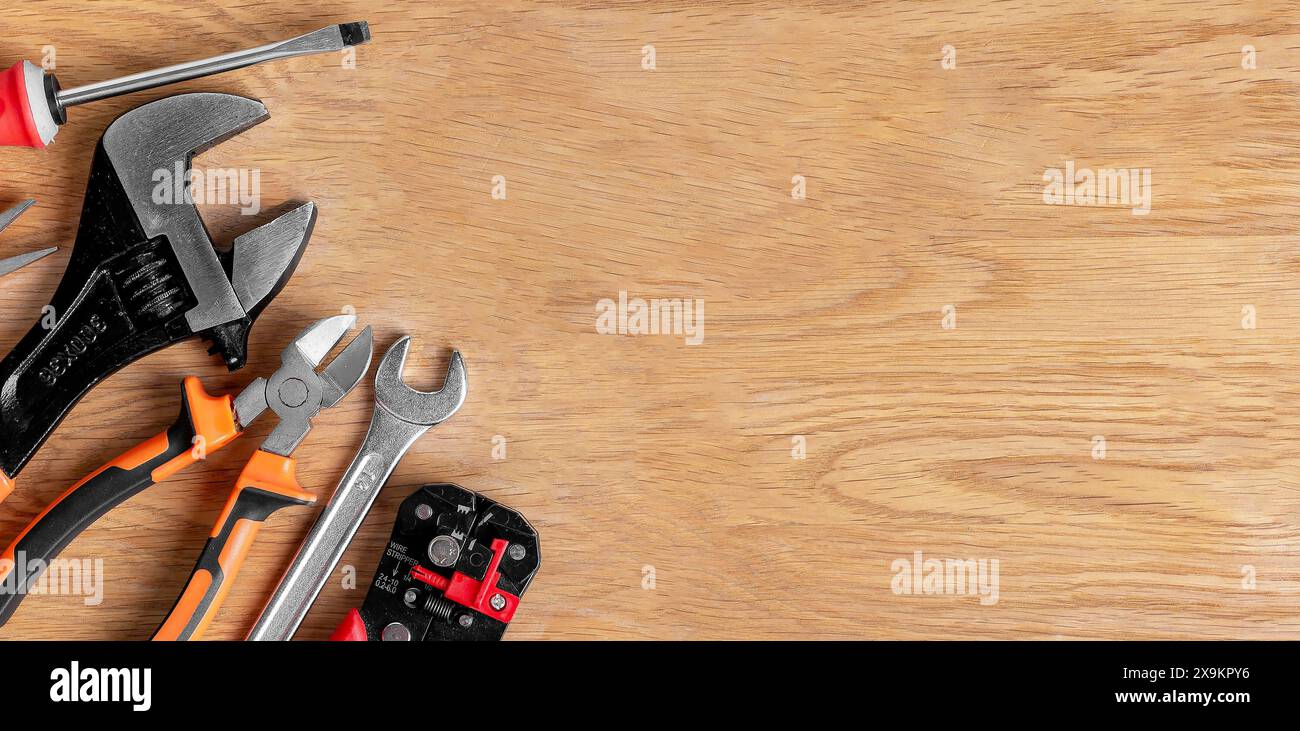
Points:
x=418 y=407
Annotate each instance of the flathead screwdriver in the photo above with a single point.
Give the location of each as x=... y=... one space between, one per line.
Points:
x=33 y=105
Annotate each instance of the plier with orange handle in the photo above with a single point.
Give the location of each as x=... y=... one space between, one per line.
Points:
x=295 y=392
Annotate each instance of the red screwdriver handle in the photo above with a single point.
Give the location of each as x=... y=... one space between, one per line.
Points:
x=17 y=121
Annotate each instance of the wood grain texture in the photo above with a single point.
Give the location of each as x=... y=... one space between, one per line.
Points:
x=823 y=315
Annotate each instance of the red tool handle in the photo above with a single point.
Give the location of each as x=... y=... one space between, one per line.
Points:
x=351 y=629
x=17 y=122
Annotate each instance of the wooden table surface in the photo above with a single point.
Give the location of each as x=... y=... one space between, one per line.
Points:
x=1114 y=418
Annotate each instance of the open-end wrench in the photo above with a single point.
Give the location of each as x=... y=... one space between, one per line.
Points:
x=144 y=273
x=401 y=416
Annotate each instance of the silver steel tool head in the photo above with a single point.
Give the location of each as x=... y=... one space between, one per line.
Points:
x=151 y=149
x=296 y=392
x=12 y=214
x=15 y=263
x=418 y=407
x=329 y=38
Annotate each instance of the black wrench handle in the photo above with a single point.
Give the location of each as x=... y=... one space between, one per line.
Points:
x=60 y=359
x=122 y=297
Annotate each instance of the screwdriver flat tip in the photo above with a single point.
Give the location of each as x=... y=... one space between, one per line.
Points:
x=327 y=39
x=11 y=215
x=18 y=262
x=355 y=34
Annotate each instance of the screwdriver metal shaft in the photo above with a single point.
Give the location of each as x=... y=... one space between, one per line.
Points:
x=325 y=40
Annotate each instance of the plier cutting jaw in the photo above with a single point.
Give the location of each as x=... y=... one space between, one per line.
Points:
x=295 y=392
x=15 y=263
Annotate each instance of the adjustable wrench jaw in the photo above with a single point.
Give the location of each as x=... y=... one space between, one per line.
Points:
x=144 y=273
x=149 y=152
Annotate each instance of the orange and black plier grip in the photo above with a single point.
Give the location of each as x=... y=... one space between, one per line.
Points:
x=206 y=424
x=266 y=484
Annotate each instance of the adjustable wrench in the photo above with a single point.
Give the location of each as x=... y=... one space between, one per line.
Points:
x=401 y=416
x=144 y=273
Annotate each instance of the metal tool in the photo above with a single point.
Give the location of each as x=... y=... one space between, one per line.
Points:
x=296 y=393
x=144 y=273
x=206 y=425
x=455 y=568
x=33 y=105
x=401 y=416
x=15 y=263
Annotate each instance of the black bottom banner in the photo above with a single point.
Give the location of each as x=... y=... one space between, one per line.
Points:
x=519 y=679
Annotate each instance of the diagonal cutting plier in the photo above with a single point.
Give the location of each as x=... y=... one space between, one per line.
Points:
x=15 y=263
x=207 y=423
x=297 y=393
